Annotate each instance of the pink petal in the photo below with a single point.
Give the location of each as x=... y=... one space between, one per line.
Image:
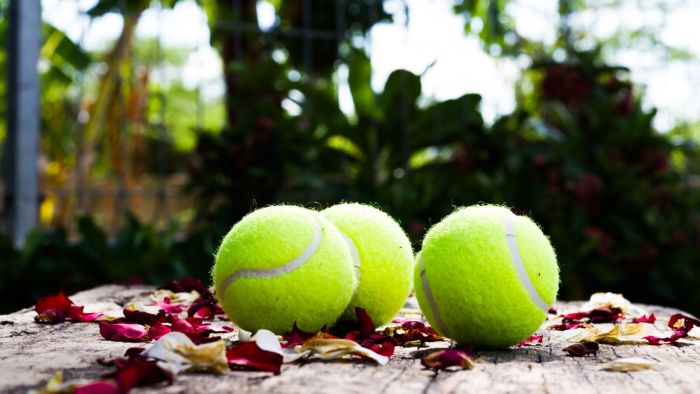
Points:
x=98 y=387
x=532 y=340
x=123 y=332
x=645 y=319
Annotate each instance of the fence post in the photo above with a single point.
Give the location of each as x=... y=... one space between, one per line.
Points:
x=22 y=142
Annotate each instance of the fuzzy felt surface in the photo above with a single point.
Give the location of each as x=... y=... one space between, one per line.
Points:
x=386 y=259
x=474 y=283
x=313 y=295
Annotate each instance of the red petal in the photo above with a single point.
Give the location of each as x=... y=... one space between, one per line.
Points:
x=98 y=387
x=53 y=301
x=137 y=371
x=134 y=351
x=364 y=322
x=645 y=319
x=57 y=308
x=532 y=340
x=296 y=337
x=205 y=309
x=247 y=355
x=123 y=332
x=679 y=330
x=188 y=284
x=414 y=331
x=443 y=359
x=158 y=330
x=179 y=324
x=385 y=349
x=52 y=309
x=565 y=326
x=141 y=317
x=167 y=307
x=76 y=314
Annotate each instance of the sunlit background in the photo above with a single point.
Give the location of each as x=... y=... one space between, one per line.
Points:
x=163 y=122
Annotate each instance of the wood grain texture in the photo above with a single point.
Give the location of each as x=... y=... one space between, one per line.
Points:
x=30 y=353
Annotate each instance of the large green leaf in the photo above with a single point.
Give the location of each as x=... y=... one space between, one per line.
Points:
x=359 y=79
x=62 y=52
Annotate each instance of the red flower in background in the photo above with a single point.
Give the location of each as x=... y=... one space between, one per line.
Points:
x=566 y=84
x=603 y=240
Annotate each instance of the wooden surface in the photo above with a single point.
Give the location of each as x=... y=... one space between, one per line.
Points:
x=30 y=353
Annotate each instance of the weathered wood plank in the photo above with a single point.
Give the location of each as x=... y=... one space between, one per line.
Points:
x=31 y=353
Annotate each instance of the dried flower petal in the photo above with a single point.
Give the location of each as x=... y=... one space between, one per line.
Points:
x=248 y=356
x=174 y=299
x=364 y=322
x=176 y=352
x=205 y=309
x=532 y=340
x=57 y=308
x=444 y=359
x=123 y=332
x=412 y=333
x=157 y=331
x=331 y=349
x=565 y=326
x=98 y=387
x=188 y=284
x=582 y=349
x=631 y=364
x=167 y=306
x=681 y=326
x=296 y=337
x=651 y=319
x=608 y=300
x=616 y=335
x=56 y=385
x=137 y=371
x=141 y=317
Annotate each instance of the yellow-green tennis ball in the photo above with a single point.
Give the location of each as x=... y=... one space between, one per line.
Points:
x=280 y=265
x=383 y=259
x=486 y=277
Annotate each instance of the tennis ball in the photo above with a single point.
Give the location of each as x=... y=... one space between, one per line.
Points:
x=383 y=259
x=486 y=277
x=280 y=265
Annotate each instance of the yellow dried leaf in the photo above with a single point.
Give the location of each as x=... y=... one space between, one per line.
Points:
x=176 y=352
x=56 y=385
x=331 y=349
x=631 y=364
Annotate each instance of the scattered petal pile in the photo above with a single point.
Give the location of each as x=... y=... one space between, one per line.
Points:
x=681 y=326
x=180 y=321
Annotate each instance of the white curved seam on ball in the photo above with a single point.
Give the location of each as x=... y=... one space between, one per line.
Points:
x=517 y=260
x=356 y=262
x=281 y=270
x=431 y=299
